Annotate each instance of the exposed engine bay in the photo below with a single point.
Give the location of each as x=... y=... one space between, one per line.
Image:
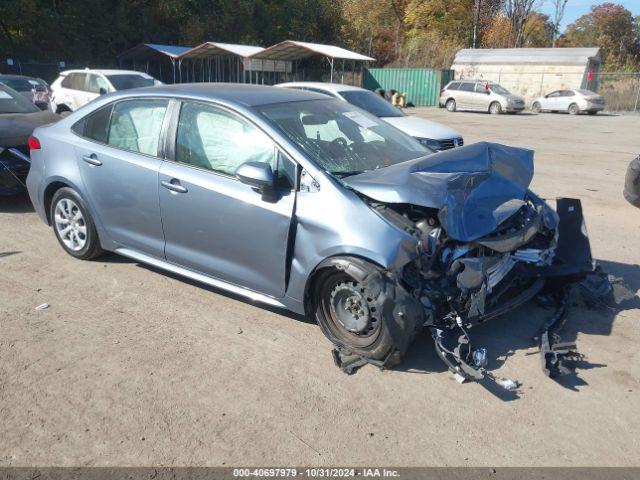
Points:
x=460 y=284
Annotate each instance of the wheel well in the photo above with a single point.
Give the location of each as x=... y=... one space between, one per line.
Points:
x=337 y=262
x=62 y=108
x=49 y=192
x=450 y=98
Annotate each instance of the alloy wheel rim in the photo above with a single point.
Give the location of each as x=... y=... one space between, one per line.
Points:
x=70 y=224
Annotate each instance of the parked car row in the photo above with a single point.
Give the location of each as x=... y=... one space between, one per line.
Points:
x=476 y=95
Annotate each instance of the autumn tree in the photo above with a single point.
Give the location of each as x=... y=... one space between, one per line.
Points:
x=611 y=27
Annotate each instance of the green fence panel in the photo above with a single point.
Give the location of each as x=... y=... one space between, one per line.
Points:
x=421 y=84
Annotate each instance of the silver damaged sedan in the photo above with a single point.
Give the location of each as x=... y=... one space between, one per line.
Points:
x=299 y=201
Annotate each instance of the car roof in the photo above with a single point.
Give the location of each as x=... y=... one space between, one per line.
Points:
x=232 y=93
x=104 y=72
x=330 y=87
x=10 y=76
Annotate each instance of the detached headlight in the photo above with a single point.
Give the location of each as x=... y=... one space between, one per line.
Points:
x=429 y=142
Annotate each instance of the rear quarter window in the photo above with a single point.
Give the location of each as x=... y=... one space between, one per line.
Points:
x=95 y=126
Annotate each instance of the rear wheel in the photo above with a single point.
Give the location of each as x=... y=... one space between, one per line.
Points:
x=495 y=108
x=592 y=112
x=73 y=225
x=536 y=107
x=574 y=109
x=451 y=105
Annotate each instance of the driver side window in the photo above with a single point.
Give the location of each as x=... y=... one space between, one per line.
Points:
x=214 y=139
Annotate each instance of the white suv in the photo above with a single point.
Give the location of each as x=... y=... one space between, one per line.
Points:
x=74 y=88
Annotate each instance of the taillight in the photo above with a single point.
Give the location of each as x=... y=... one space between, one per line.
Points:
x=34 y=143
x=442 y=90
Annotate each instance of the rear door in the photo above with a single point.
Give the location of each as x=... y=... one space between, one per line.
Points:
x=213 y=223
x=464 y=96
x=481 y=97
x=119 y=159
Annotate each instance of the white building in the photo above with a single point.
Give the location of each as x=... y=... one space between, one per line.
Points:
x=531 y=72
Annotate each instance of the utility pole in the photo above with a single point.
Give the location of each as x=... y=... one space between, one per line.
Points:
x=476 y=18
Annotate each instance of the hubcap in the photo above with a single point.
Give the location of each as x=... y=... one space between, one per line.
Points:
x=350 y=308
x=70 y=224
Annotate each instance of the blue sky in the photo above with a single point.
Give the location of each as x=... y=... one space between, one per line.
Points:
x=577 y=8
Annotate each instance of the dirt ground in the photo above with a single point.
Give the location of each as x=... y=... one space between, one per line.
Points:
x=131 y=366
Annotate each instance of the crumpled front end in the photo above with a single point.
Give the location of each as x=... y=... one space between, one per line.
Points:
x=464 y=283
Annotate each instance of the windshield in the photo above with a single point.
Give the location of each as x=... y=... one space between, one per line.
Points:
x=371 y=102
x=495 y=88
x=341 y=138
x=12 y=102
x=127 y=81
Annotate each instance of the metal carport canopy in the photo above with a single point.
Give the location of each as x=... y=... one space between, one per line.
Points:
x=291 y=50
x=145 y=51
x=211 y=49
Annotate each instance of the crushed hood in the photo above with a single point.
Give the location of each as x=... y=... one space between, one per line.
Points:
x=475 y=188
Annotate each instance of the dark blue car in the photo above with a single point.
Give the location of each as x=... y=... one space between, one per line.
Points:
x=18 y=118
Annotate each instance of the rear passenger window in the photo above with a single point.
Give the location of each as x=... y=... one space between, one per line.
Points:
x=77 y=81
x=136 y=125
x=66 y=81
x=467 y=87
x=454 y=86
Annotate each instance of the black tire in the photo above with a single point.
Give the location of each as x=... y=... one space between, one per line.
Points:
x=450 y=105
x=536 y=107
x=574 y=109
x=495 y=108
x=382 y=303
x=91 y=247
x=592 y=112
x=63 y=110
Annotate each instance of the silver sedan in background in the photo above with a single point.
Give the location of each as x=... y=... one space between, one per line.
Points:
x=572 y=101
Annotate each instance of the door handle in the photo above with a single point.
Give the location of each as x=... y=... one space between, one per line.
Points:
x=174 y=187
x=92 y=160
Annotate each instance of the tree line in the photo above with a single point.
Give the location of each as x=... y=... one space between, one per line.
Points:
x=407 y=33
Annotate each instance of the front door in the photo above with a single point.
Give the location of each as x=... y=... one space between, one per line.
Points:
x=213 y=223
x=119 y=163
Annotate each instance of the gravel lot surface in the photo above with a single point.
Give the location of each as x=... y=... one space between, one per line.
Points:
x=131 y=366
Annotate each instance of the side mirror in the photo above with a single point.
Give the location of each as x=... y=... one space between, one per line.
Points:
x=257 y=175
x=102 y=91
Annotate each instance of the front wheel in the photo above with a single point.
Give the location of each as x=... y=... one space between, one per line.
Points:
x=592 y=112
x=363 y=310
x=73 y=225
x=536 y=107
x=495 y=108
x=574 y=109
x=450 y=105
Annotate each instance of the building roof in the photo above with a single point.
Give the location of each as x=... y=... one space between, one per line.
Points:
x=150 y=50
x=520 y=56
x=293 y=50
x=209 y=49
